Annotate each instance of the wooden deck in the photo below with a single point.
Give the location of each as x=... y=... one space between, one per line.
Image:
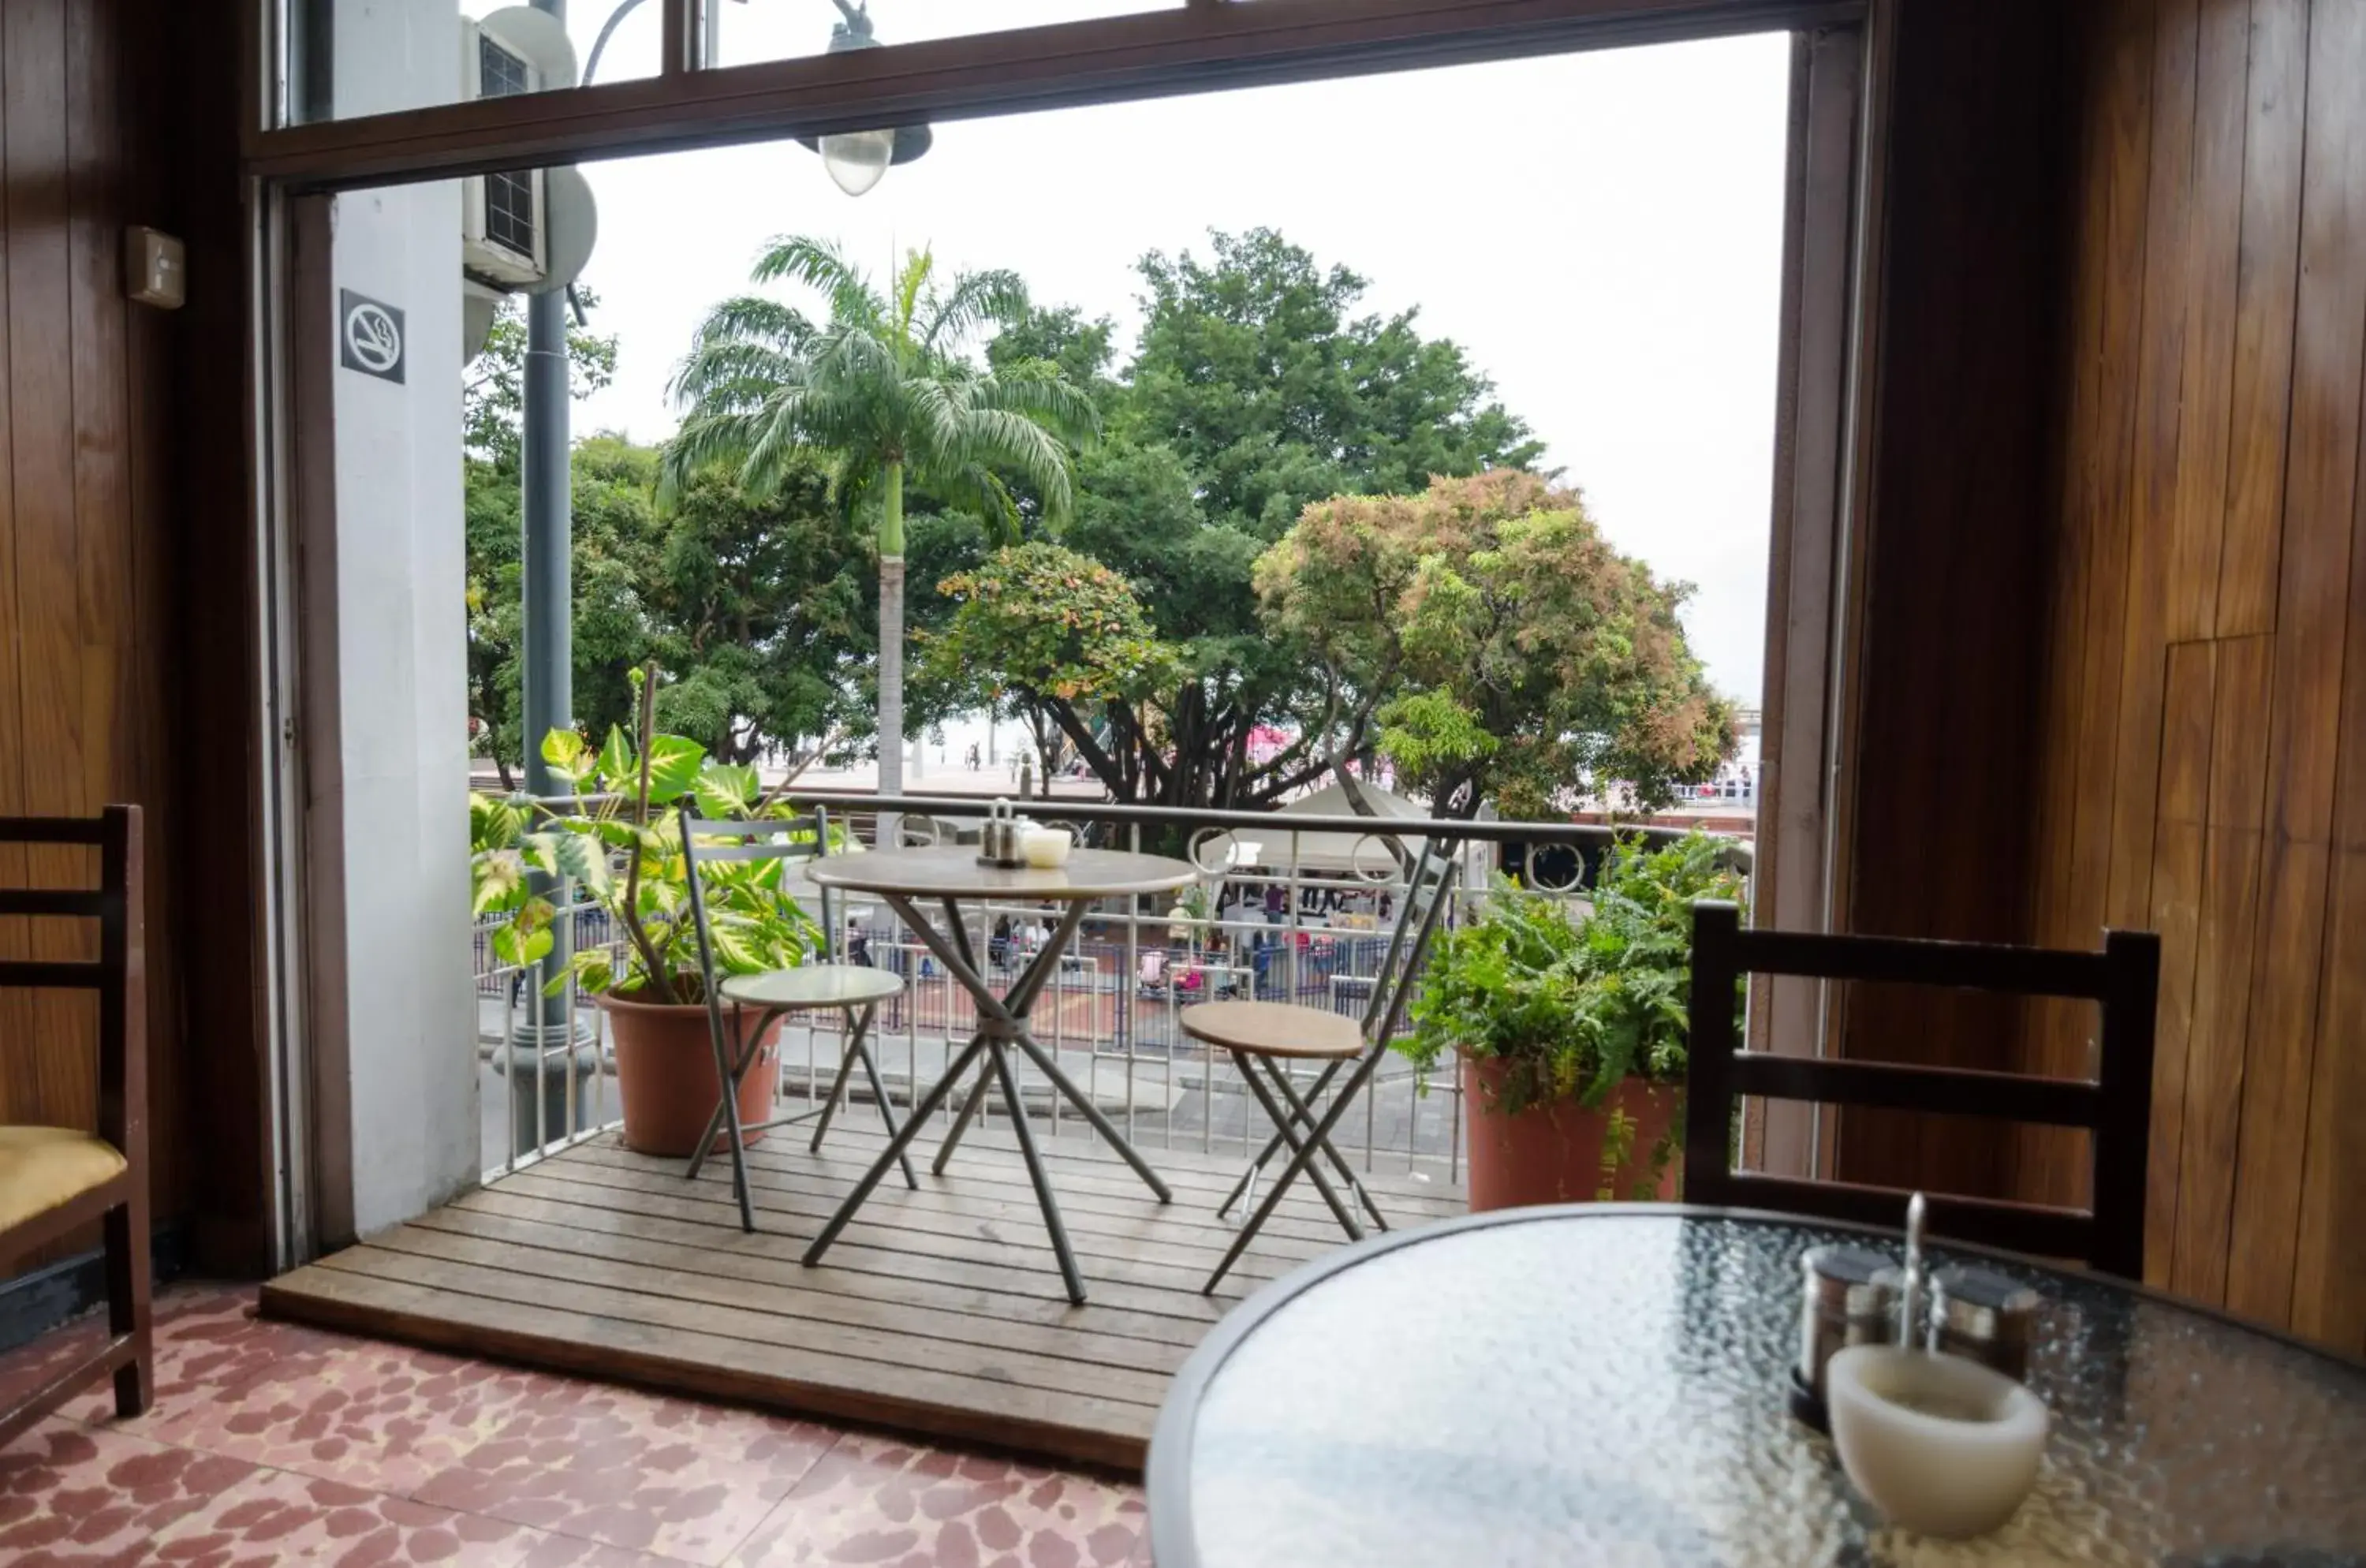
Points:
x=938 y=1311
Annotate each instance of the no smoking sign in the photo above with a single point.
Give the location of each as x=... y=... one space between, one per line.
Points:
x=369 y=336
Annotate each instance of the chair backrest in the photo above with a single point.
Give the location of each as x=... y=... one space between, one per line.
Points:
x=708 y=841
x=2114 y=1107
x=118 y=974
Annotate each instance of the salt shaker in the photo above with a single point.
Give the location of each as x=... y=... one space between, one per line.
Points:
x=1985 y=1316
x=997 y=839
x=1848 y=1297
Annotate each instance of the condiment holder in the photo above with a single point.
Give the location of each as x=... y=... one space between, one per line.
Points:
x=1927 y=1409
x=1000 y=838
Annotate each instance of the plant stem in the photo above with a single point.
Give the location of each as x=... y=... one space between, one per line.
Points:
x=660 y=981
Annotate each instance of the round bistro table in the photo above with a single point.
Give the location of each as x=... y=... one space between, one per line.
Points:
x=1606 y=1383
x=946 y=876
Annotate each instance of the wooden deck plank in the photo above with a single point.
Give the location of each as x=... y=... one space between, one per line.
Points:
x=990 y=1153
x=496 y=1278
x=695 y=1250
x=855 y=1260
x=1309 y=1221
x=539 y=1333
x=912 y=1223
x=941 y=1314
x=522 y=1250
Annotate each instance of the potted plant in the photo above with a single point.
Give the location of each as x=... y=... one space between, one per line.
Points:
x=624 y=852
x=1571 y=1032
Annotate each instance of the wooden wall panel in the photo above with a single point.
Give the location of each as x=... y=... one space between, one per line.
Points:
x=2198 y=755
x=91 y=590
x=1949 y=664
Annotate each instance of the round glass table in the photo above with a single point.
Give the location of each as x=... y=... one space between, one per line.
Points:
x=1607 y=1383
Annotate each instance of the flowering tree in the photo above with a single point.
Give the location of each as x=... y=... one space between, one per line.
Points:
x=1496 y=644
x=1048 y=634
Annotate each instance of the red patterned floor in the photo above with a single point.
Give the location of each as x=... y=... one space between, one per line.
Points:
x=276 y=1444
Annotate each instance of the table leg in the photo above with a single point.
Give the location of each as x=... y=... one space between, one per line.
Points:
x=893 y=1152
x=1065 y=1085
x=961 y=1123
x=1007 y=1016
x=1037 y=1173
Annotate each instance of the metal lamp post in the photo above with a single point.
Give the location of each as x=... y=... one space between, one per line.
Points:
x=856 y=161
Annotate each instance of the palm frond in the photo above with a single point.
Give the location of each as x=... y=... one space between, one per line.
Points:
x=975 y=299
x=1039 y=390
x=750 y=318
x=718 y=373
x=911 y=285
x=819 y=264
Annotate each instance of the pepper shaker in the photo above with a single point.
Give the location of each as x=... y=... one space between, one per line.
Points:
x=1983 y=1316
x=1848 y=1297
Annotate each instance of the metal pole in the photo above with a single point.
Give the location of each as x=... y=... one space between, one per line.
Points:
x=548 y=554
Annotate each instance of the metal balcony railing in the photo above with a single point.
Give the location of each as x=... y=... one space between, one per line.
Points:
x=1287 y=909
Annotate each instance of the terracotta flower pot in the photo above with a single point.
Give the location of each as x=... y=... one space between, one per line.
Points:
x=665 y=1073
x=1552 y=1154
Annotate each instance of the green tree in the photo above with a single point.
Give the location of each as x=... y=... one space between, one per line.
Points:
x=1036 y=625
x=882 y=394
x=492 y=386
x=759 y=608
x=1501 y=646
x=1256 y=392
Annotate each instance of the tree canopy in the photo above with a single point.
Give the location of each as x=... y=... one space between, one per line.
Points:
x=881 y=393
x=1257 y=391
x=1501 y=646
x=759 y=607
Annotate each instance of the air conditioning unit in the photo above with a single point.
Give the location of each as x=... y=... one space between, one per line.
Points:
x=504 y=217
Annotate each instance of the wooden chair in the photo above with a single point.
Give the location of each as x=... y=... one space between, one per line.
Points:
x=853 y=989
x=55 y=1179
x=2115 y=1107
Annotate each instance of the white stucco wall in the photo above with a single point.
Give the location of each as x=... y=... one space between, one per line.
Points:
x=402 y=642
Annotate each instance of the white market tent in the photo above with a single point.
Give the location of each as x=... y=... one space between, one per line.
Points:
x=1339 y=853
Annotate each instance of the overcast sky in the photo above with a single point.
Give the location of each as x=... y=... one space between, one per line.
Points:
x=1601 y=232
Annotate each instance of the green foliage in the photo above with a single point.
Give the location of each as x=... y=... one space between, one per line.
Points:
x=762 y=604
x=880 y=394
x=625 y=853
x=1505 y=649
x=1572 y=1007
x=492 y=390
x=1255 y=392
x=1037 y=623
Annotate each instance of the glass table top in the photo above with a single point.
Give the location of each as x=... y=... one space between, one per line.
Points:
x=1609 y=1386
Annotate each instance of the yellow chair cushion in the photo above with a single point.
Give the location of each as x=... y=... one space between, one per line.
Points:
x=41 y=1167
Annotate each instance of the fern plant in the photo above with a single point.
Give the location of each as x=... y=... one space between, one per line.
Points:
x=1573 y=1007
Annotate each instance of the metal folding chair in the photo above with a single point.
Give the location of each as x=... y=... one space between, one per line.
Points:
x=1266 y=1034
x=854 y=990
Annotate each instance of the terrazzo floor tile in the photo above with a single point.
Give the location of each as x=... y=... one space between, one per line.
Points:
x=273 y=1444
x=680 y=1479
x=883 y=1504
x=73 y=1494
x=384 y=1416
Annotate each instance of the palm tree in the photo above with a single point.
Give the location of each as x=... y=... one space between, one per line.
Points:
x=884 y=396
